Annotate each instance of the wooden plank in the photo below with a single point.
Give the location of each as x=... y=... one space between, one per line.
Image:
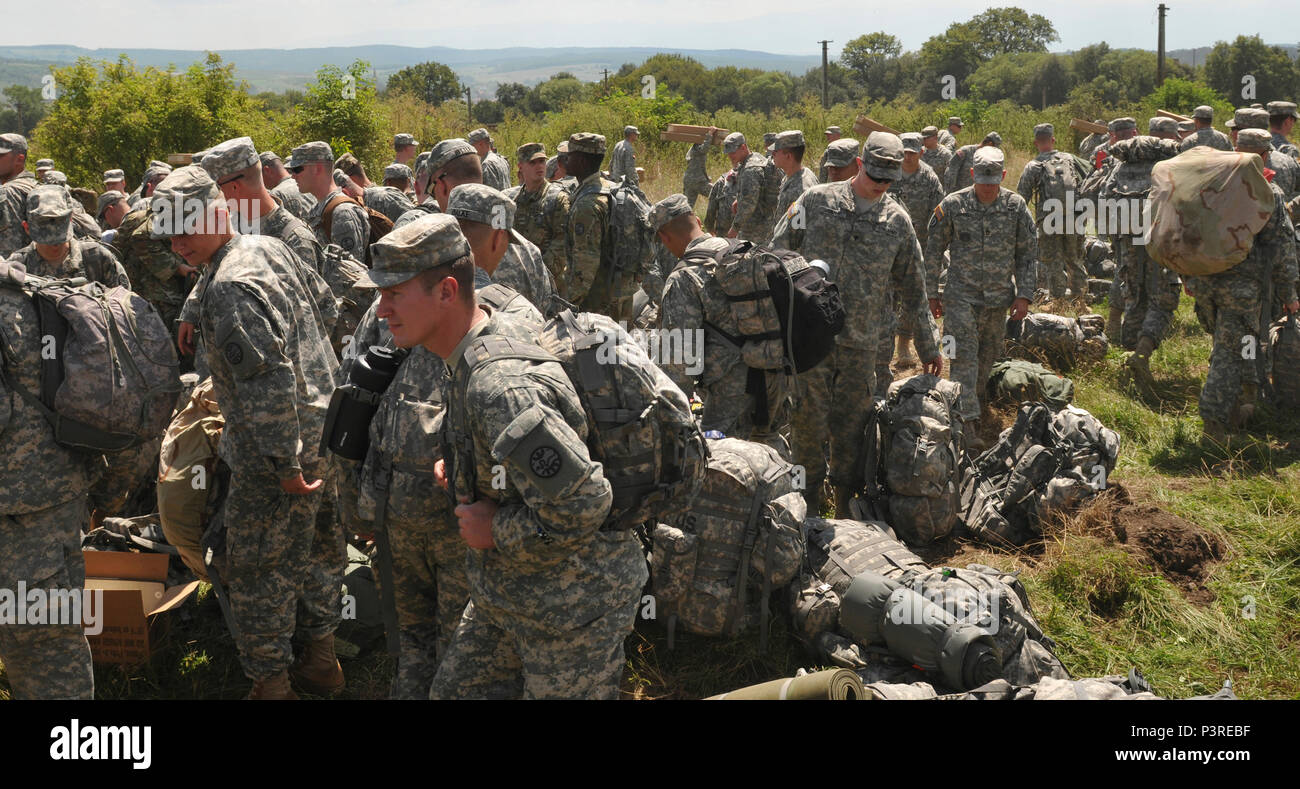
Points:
x=180 y=159
x=674 y=136
x=702 y=131
x=863 y=126
x=1174 y=115
x=1088 y=126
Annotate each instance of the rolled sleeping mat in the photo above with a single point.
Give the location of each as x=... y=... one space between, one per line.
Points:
x=835 y=684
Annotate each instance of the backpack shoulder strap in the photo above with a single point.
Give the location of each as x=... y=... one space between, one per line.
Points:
x=327 y=213
x=497 y=296
x=494 y=348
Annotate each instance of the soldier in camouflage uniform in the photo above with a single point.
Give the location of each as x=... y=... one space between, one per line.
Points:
x=404 y=146
x=787 y=154
x=590 y=281
x=347 y=223
x=990 y=236
x=1282 y=116
x=284 y=187
x=54 y=252
x=871 y=249
x=752 y=219
x=155 y=172
x=542 y=208
x=496 y=170
x=957 y=176
x=692 y=297
x=423 y=192
x=948 y=137
x=115 y=181
x=1054 y=175
x=695 y=181
x=1092 y=142
x=43 y=489
x=1205 y=134
x=272 y=373
x=110 y=212
x=17 y=183
x=841 y=160
x=1282 y=170
x=935 y=155
x=390 y=199
x=1235 y=305
x=832 y=133
x=622 y=162
x=719 y=212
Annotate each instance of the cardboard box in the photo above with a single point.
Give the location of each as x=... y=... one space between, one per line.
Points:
x=135 y=593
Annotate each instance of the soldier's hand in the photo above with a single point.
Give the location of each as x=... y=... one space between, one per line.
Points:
x=185 y=269
x=476 y=523
x=1292 y=307
x=934 y=366
x=731 y=233
x=299 y=486
x=440 y=473
x=185 y=338
x=1019 y=309
x=936 y=308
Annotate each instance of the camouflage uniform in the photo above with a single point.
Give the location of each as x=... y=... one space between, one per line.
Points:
x=422 y=209
x=89 y=259
x=349 y=226
x=523 y=270
x=622 y=163
x=1284 y=146
x=496 y=171
x=872 y=251
x=293 y=199
x=947 y=140
x=151 y=264
x=43 y=489
x=1286 y=173
x=1232 y=303
x=957 y=176
x=1091 y=143
x=718 y=214
x=754 y=201
x=938 y=158
x=918 y=193
x=388 y=200
x=553 y=601
x=695 y=181
x=988 y=246
x=540 y=217
x=588 y=278
x=13 y=211
x=792 y=186
x=1060 y=253
x=1212 y=138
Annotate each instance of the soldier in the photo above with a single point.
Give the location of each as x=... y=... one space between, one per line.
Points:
x=43 y=167
x=957 y=176
x=273 y=373
x=115 y=181
x=1235 y=305
x=832 y=133
x=720 y=209
x=1185 y=129
x=948 y=137
x=1205 y=134
x=54 y=252
x=1282 y=116
x=692 y=299
x=1092 y=142
x=390 y=199
x=18 y=183
x=752 y=218
x=43 y=495
x=590 y=281
x=935 y=155
x=871 y=249
x=695 y=181
x=111 y=208
x=787 y=153
x=842 y=159
x=990 y=236
x=622 y=162
x=354 y=170
x=424 y=192
x=284 y=187
x=404 y=146
x=1055 y=175
x=1246 y=118
x=1163 y=129
x=155 y=172
x=1282 y=170
x=496 y=170
x=336 y=218
x=542 y=208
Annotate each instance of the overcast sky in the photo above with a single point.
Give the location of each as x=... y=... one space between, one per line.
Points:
x=667 y=24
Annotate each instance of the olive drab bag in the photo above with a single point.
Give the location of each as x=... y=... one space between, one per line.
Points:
x=187 y=464
x=913 y=470
x=1017 y=380
x=109 y=372
x=714 y=565
x=640 y=425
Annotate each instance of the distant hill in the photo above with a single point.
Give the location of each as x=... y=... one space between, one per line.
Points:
x=482 y=69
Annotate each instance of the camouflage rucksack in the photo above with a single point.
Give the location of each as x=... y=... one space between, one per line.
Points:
x=735 y=541
x=379 y=224
x=913 y=458
x=640 y=425
x=632 y=241
x=1016 y=381
x=1058 y=340
x=341 y=272
x=1284 y=344
x=109 y=372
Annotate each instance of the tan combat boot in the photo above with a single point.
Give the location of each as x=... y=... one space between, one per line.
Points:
x=1137 y=368
x=275 y=688
x=903 y=352
x=317 y=669
x=1214 y=432
x=1245 y=406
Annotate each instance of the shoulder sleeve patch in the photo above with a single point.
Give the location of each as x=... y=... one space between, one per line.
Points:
x=538 y=445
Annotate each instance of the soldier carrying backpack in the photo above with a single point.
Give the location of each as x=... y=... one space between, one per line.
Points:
x=1050 y=182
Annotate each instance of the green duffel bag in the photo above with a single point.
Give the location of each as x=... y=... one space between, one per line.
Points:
x=1017 y=381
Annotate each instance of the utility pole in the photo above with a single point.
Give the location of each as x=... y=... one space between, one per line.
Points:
x=825 y=89
x=604 y=80
x=469 y=106
x=1160 y=51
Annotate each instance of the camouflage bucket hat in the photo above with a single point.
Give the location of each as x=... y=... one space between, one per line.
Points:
x=424 y=244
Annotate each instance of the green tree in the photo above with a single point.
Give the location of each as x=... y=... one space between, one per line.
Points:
x=555 y=93
x=24 y=109
x=1000 y=31
x=1227 y=65
x=1184 y=95
x=489 y=111
x=431 y=81
x=512 y=94
x=867 y=57
x=342 y=108
x=1085 y=64
x=956 y=53
x=1024 y=78
x=767 y=92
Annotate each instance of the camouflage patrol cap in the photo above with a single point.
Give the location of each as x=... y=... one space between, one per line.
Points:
x=347 y=163
x=833 y=130
x=769 y=138
x=630 y=130
x=44 y=164
x=197 y=158
x=185 y=188
x=156 y=171
x=1254 y=140
x=530 y=151
x=114 y=175
x=586 y=142
x=446 y=150
x=267 y=157
x=49 y=214
x=1282 y=108
x=668 y=209
x=478 y=135
x=1203 y=113
x=930 y=131
x=483 y=204
x=842 y=152
x=397 y=172
x=563 y=147
x=1121 y=124
x=403 y=140
x=955 y=121
x=107 y=199
x=792 y=138
x=992 y=138
x=421 y=158
x=428 y=242
x=1186 y=126
x=988 y=165
x=55 y=177
x=733 y=142
x=341 y=179
x=311 y=152
x=882 y=155
x=227 y=158
x=551 y=164
x=1162 y=126
x=912 y=141
x=1248 y=118
x=1044 y=130
x=12 y=142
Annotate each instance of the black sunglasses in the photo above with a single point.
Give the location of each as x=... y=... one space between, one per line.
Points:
x=297 y=169
x=878 y=180
x=230 y=180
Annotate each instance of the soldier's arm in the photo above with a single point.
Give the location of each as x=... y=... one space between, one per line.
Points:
x=556 y=220
x=350 y=229
x=938 y=235
x=584 y=248
x=109 y=269
x=1029 y=181
x=747 y=194
x=950 y=174
x=251 y=340
x=681 y=310
x=785 y=235
x=1026 y=255
x=564 y=497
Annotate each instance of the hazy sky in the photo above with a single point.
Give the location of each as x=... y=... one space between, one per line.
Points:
x=667 y=24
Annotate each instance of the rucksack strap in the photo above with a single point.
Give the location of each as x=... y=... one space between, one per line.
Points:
x=327 y=213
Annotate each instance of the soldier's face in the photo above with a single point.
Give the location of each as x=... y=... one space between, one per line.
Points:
x=197 y=248
x=414 y=314
x=115 y=186
x=533 y=172
x=911 y=158
x=843 y=173
x=1044 y=144
x=930 y=142
x=114 y=213
x=7 y=162
x=867 y=186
